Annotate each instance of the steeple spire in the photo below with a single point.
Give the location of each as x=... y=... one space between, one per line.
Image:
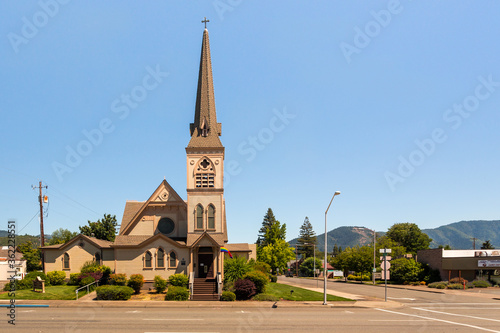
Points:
x=205 y=130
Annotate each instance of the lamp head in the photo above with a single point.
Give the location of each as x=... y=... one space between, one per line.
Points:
x=337 y=192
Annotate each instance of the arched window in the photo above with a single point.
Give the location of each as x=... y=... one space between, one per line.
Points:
x=97 y=258
x=199 y=217
x=173 y=260
x=211 y=217
x=147 y=260
x=66 y=261
x=160 y=258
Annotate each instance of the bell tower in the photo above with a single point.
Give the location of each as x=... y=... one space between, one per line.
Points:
x=205 y=157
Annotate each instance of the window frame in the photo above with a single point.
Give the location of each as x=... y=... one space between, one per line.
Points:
x=64 y=261
x=198 y=215
x=158 y=266
x=150 y=260
x=211 y=206
x=170 y=259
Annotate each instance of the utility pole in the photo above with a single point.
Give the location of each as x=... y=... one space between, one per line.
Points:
x=474 y=242
x=42 y=236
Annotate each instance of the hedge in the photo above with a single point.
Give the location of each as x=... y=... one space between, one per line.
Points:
x=178 y=280
x=114 y=293
x=175 y=293
x=228 y=296
x=56 y=277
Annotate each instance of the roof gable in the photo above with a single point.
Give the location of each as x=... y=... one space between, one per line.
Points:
x=163 y=194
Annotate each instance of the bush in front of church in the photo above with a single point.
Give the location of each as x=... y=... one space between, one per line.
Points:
x=74 y=279
x=175 y=293
x=228 y=296
x=56 y=277
x=160 y=284
x=244 y=289
x=119 y=279
x=114 y=293
x=178 y=280
x=259 y=279
x=136 y=282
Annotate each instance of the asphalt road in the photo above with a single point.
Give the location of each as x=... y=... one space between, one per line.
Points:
x=416 y=311
x=417 y=318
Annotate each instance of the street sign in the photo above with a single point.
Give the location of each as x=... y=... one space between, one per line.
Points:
x=377 y=276
x=387 y=258
x=385 y=251
x=384 y=277
x=385 y=265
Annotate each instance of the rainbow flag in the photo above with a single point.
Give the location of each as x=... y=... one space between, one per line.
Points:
x=225 y=250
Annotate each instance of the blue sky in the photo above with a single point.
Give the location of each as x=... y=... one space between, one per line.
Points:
x=395 y=104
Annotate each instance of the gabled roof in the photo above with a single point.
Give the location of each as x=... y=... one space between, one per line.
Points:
x=217 y=239
x=238 y=247
x=205 y=130
x=100 y=243
x=134 y=209
x=140 y=240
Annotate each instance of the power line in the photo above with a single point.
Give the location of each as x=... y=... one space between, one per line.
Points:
x=80 y=204
x=29 y=222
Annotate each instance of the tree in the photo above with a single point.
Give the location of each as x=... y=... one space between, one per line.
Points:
x=307 y=238
x=336 y=251
x=445 y=247
x=410 y=236
x=276 y=254
x=405 y=270
x=487 y=246
x=358 y=259
x=235 y=268
x=102 y=229
x=31 y=253
x=308 y=266
x=61 y=236
x=271 y=229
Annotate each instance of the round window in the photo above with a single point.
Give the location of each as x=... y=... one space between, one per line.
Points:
x=166 y=226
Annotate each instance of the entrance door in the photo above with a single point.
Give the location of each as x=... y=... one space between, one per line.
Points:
x=205 y=268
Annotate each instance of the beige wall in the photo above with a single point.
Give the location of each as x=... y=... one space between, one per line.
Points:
x=78 y=255
x=131 y=260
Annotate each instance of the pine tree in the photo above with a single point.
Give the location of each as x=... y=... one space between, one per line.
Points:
x=336 y=251
x=267 y=224
x=487 y=246
x=307 y=238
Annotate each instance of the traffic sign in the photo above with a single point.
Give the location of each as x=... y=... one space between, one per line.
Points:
x=385 y=258
x=385 y=251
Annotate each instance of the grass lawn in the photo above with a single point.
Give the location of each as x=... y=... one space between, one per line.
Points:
x=299 y=294
x=51 y=293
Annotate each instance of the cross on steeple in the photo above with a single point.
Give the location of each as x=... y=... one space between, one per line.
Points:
x=205 y=21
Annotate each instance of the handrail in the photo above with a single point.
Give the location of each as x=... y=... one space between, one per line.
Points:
x=191 y=283
x=86 y=286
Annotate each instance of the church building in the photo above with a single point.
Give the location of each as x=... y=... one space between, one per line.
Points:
x=165 y=234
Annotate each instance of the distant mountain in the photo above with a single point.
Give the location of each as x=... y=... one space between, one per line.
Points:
x=344 y=237
x=458 y=235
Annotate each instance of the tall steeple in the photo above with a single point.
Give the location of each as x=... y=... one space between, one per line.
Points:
x=205 y=130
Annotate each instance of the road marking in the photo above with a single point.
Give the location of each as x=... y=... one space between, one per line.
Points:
x=407 y=320
x=457 y=315
x=348 y=311
x=171 y=319
x=410 y=299
x=430 y=303
x=441 y=320
x=135 y=311
x=458 y=308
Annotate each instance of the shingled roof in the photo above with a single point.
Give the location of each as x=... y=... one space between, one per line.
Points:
x=205 y=130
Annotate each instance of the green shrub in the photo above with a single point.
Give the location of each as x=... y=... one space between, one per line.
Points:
x=228 y=296
x=438 y=285
x=34 y=274
x=86 y=280
x=56 y=277
x=94 y=267
x=235 y=268
x=265 y=297
x=74 y=279
x=481 y=284
x=456 y=286
x=244 y=289
x=20 y=284
x=136 y=282
x=358 y=277
x=160 y=284
x=405 y=270
x=114 y=293
x=274 y=278
x=176 y=293
x=263 y=267
x=178 y=280
x=259 y=279
x=118 y=279
x=470 y=285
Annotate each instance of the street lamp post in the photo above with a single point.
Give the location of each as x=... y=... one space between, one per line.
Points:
x=325 y=270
